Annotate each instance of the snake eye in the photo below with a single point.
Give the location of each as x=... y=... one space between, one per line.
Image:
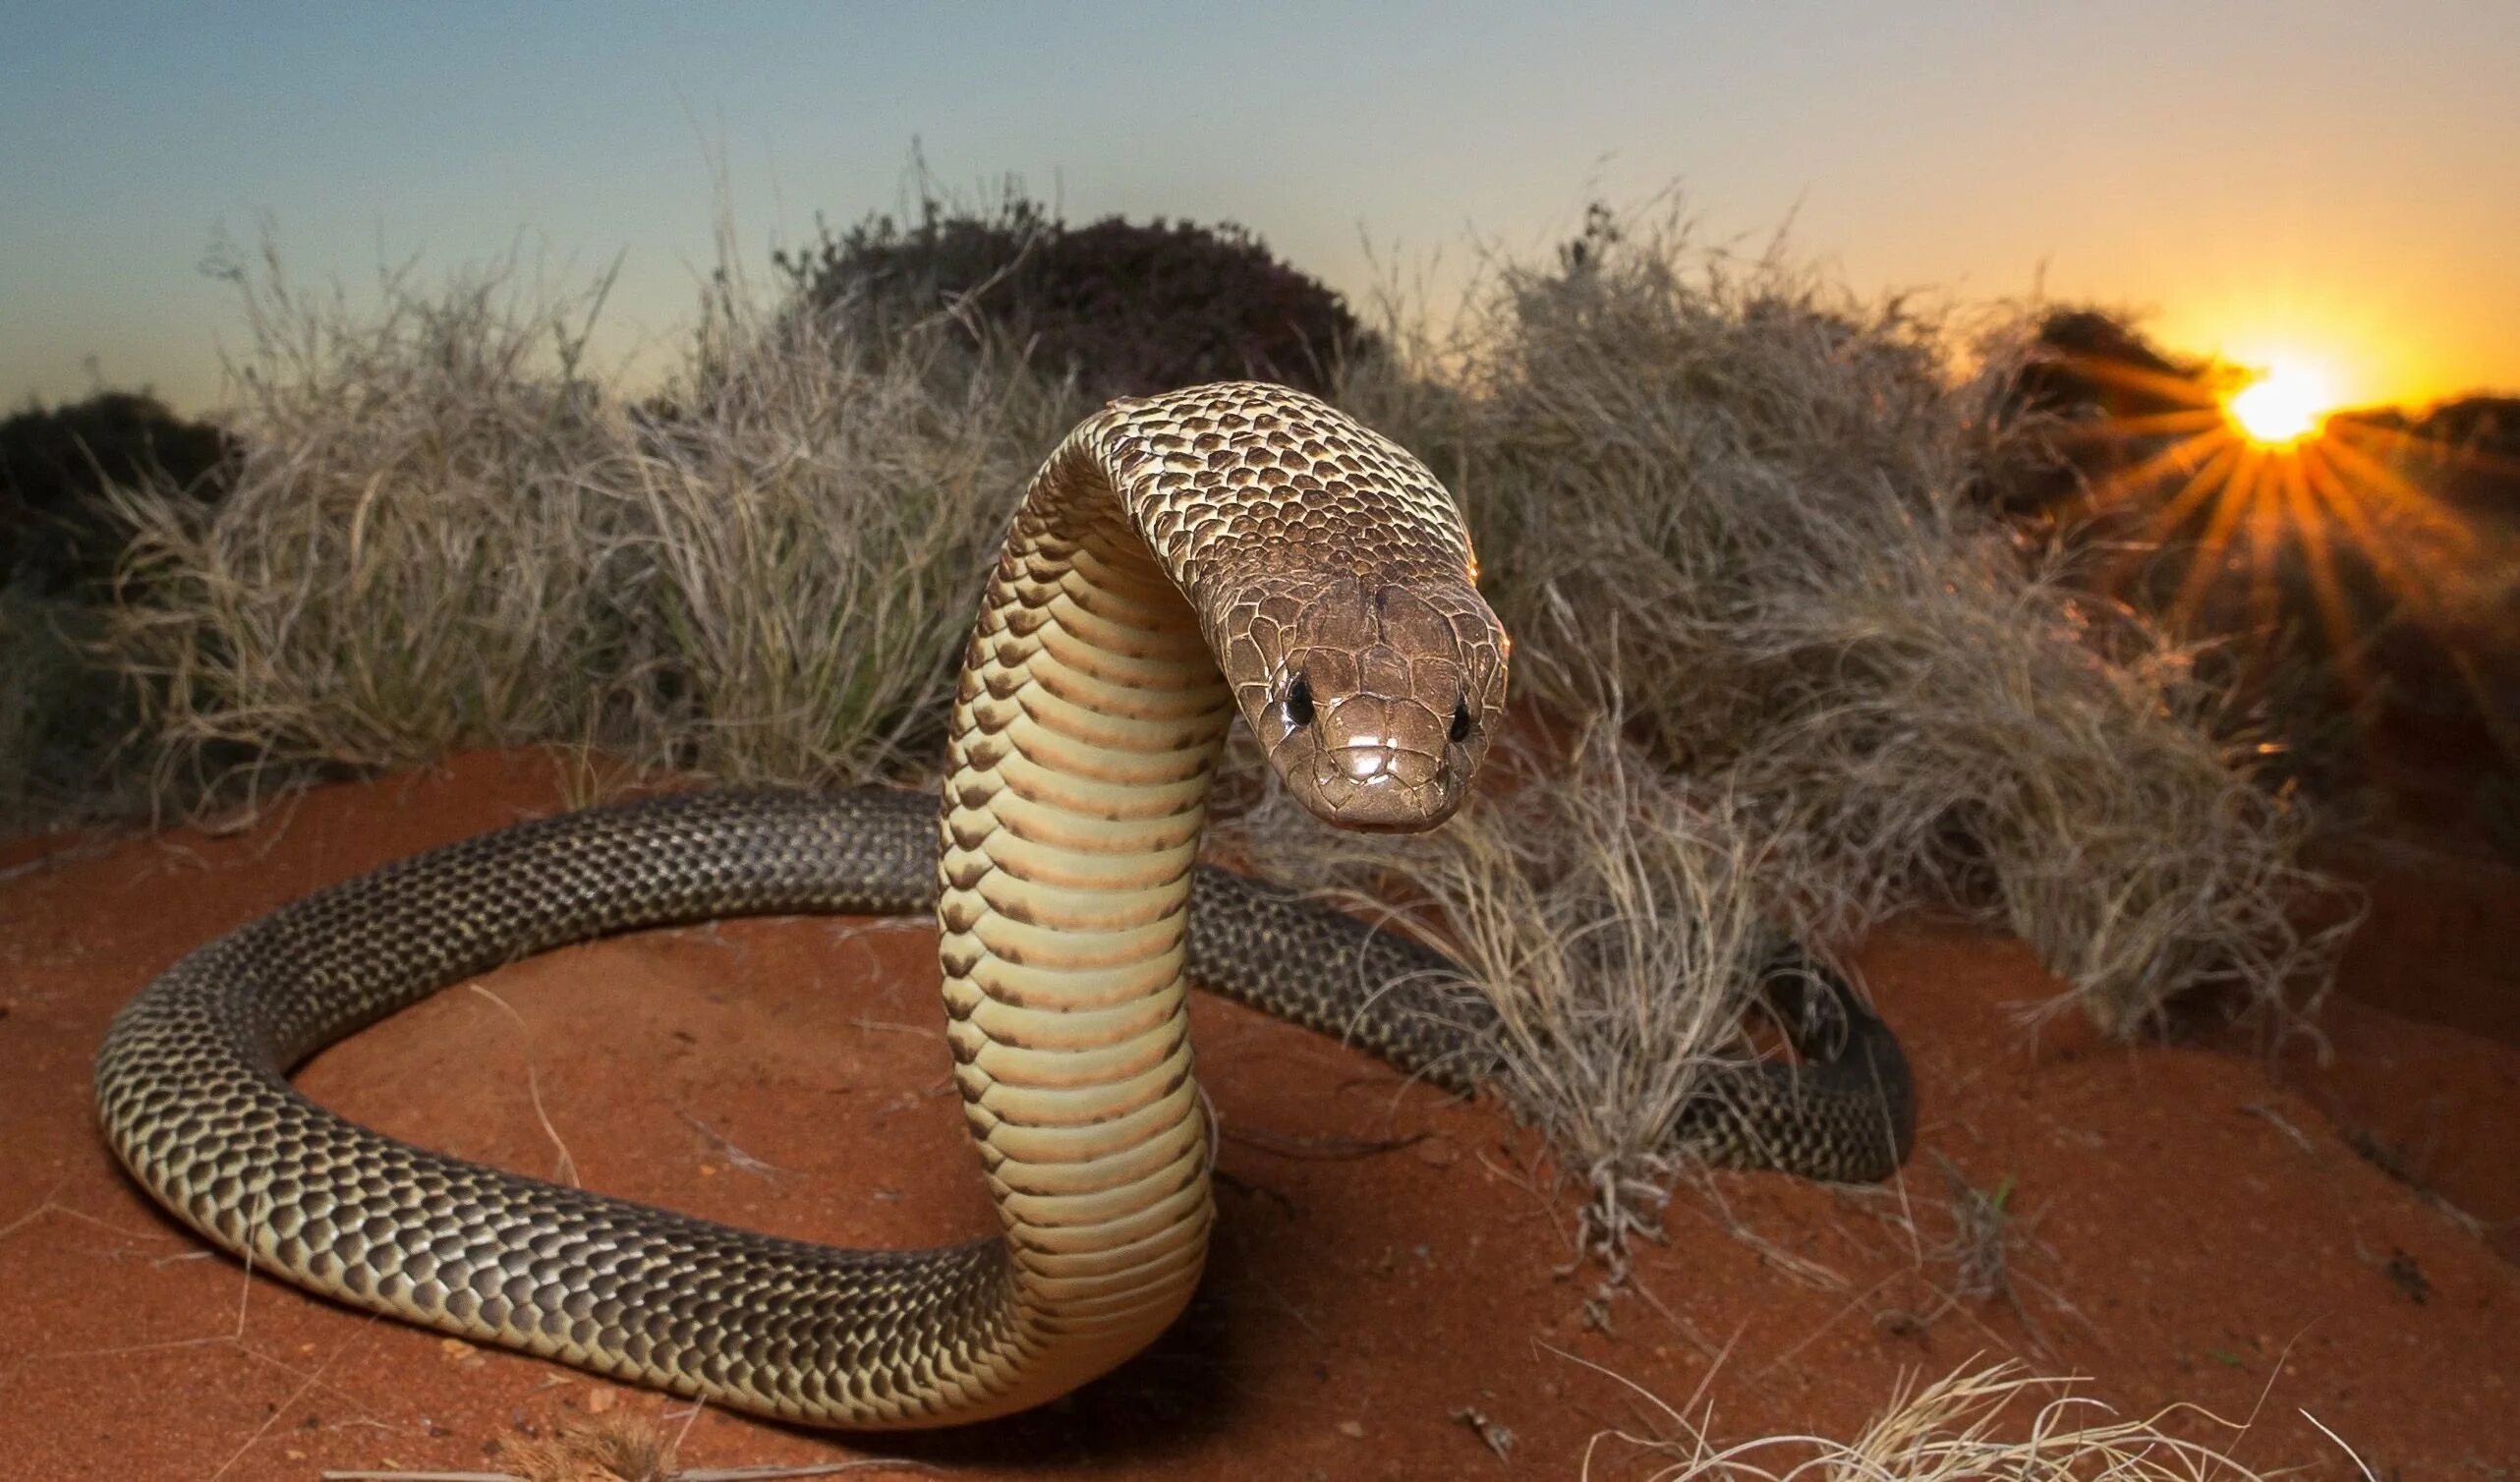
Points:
x=1460 y=732
x=1300 y=701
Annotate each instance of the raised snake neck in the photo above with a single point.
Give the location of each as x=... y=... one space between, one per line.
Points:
x=1085 y=733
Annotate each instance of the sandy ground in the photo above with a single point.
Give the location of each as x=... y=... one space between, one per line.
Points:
x=2184 y=1224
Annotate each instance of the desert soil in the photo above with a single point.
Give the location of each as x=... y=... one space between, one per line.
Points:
x=1391 y=1291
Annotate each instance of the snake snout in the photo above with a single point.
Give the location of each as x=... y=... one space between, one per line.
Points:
x=1378 y=699
x=1382 y=763
x=1370 y=740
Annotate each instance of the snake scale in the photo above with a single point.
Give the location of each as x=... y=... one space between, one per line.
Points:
x=1229 y=548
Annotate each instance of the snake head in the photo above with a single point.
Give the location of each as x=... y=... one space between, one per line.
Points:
x=1375 y=700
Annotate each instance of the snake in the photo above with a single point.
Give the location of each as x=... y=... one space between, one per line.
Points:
x=1236 y=549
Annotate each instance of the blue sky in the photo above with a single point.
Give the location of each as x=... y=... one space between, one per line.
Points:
x=2267 y=178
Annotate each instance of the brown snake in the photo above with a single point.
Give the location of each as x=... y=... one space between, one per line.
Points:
x=1235 y=548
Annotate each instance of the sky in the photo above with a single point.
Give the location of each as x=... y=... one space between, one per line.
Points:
x=2267 y=179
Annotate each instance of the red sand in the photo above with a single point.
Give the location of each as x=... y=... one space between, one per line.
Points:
x=2187 y=1230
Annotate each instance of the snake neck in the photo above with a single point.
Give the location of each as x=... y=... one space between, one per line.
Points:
x=1085 y=731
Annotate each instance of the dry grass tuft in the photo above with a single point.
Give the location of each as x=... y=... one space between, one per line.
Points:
x=445 y=535
x=1612 y=915
x=1728 y=495
x=408 y=563
x=1995 y=1424
x=813 y=523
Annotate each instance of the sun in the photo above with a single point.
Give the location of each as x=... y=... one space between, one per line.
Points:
x=2284 y=406
x=2248 y=481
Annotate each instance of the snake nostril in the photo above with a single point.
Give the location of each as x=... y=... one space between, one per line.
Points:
x=1300 y=701
x=1460 y=732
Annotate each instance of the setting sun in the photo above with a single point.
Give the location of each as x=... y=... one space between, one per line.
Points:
x=2287 y=404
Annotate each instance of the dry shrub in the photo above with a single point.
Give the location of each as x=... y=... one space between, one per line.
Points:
x=1729 y=494
x=411 y=558
x=442 y=535
x=812 y=526
x=1612 y=916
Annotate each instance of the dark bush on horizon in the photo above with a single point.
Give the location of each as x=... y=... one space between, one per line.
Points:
x=1128 y=307
x=56 y=533
x=2077 y=371
x=2469 y=448
x=65 y=708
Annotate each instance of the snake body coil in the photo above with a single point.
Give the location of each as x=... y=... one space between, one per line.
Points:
x=1230 y=548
